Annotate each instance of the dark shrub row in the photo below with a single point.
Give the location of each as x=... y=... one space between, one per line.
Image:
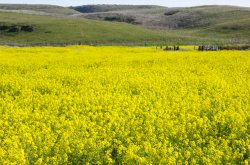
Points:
x=15 y=28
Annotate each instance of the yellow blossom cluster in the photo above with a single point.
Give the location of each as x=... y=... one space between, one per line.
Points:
x=123 y=105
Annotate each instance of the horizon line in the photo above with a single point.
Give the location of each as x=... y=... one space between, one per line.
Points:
x=123 y=4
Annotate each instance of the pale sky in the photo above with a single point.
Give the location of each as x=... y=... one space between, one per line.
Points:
x=168 y=3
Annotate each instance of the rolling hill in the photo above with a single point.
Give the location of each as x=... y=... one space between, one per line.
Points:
x=170 y=18
x=53 y=30
x=226 y=21
x=37 y=9
x=124 y=24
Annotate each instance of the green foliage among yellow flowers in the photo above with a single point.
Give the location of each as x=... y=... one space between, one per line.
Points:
x=121 y=105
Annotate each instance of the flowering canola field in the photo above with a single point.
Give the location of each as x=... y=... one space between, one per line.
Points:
x=121 y=105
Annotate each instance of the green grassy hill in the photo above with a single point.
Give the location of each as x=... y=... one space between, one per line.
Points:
x=49 y=9
x=124 y=24
x=204 y=21
x=171 y=18
x=50 y=30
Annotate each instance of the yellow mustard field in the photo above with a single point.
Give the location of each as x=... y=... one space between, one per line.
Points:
x=123 y=105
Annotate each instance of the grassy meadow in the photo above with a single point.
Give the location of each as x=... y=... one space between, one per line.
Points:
x=123 y=105
x=61 y=30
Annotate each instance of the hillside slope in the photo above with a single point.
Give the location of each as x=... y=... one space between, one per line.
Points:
x=48 y=30
x=37 y=9
x=172 y=18
x=123 y=24
x=224 y=21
